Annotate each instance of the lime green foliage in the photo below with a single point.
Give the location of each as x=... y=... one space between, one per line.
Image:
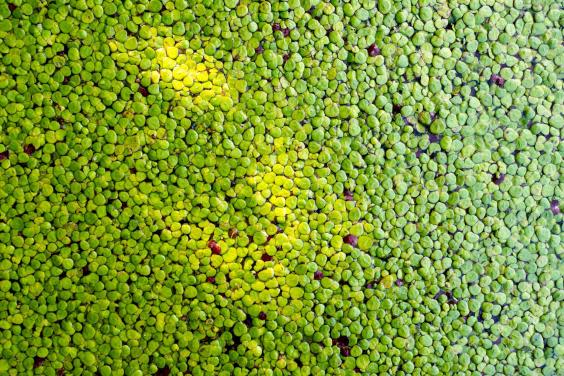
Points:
x=304 y=187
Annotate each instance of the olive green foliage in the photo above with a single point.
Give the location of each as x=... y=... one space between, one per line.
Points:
x=306 y=187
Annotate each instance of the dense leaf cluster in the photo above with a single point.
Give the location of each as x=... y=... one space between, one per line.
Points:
x=303 y=187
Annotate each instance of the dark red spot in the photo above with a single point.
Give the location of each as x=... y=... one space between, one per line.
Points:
x=266 y=257
x=132 y=170
x=248 y=321
x=12 y=7
x=348 y=195
x=286 y=32
x=351 y=240
x=262 y=316
x=286 y=57
x=29 y=149
x=396 y=109
x=210 y=279
x=399 y=282
x=215 y=248
x=259 y=49
x=318 y=275
x=143 y=90
x=343 y=341
x=61 y=372
x=165 y=371
x=279 y=229
x=38 y=361
x=4 y=155
x=555 y=207
x=498 y=179
x=233 y=233
x=373 y=50
x=370 y=285
x=276 y=27
x=66 y=80
x=85 y=270
x=345 y=351
x=498 y=80
x=357 y=370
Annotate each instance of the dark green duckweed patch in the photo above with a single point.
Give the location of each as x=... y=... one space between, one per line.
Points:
x=303 y=187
